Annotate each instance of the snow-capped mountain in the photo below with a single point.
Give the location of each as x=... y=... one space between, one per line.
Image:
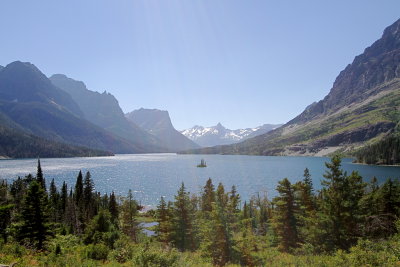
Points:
x=219 y=135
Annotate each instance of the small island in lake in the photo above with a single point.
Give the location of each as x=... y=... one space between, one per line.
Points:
x=202 y=164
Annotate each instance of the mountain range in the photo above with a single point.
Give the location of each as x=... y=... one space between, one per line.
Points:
x=60 y=117
x=32 y=106
x=361 y=108
x=219 y=135
x=103 y=110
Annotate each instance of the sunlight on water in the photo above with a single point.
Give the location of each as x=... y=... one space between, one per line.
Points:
x=151 y=176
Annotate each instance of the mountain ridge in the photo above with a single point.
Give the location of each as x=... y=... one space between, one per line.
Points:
x=31 y=103
x=219 y=135
x=103 y=110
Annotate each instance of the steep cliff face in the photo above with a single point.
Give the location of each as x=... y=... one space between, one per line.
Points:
x=380 y=63
x=362 y=107
x=158 y=123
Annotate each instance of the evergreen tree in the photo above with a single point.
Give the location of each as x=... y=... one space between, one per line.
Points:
x=233 y=207
x=246 y=244
x=340 y=206
x=34 y=216
x=183 y=231
x=113 y=208
x=63 y=197
x=129 y=210
x=78 y=193
x=101 y=229
x=40 y=177
x=164 y=228
x=6 y=207
x=208 y=196
x=54 y=202
x=216 y=236
x=222 y=198
x=89 y=206
x=307 y=192
x=285 y=221
x=79 y=204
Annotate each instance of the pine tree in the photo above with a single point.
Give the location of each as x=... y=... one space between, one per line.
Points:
x=208 y=196
x=164 y=228
x=306 y=189
x=78 y=193
x=233 y=207
x=34 y=216
x=63 y=197
x=246 y=244
x=40 y=177
x=79 y=204
x=340 y=205
x=284 y=221
x=6 y=207
x=216 y=236
x=222 y=198
x=129 y=211
x=183 y=230
x=54 y=202
x=88 y=200
x=113 y=208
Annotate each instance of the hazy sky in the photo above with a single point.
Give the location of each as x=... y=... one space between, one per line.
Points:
x=239 y=62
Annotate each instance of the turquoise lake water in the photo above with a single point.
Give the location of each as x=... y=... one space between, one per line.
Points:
x=151 y=176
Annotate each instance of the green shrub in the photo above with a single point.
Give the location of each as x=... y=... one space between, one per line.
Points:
x=154 y=258
x=123 y=250
x=97 y=251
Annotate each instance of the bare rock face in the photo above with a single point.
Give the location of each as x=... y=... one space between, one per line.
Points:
x=378 y=64
x=158 y=123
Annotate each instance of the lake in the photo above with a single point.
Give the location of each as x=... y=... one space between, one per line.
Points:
x=151 y=176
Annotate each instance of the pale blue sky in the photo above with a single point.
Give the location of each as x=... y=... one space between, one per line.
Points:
x=239 y=62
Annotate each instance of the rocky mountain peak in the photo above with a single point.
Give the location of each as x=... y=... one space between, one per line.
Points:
x=149 y=119
x=24 y=82
x=219 y=127
x=158 y=123
x=378 y=64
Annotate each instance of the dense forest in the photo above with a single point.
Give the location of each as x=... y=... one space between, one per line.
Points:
x=17 y=144
x=386 y=151
x=348 y=222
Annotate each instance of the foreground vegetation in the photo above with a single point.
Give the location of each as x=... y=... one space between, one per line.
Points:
x=347 y=223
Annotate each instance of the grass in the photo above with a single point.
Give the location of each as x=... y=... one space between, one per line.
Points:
x=151 y=253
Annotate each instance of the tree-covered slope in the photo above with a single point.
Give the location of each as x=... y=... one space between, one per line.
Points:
x=17 y=144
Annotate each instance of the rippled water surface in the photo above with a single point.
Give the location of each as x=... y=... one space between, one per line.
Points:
x=153 y=175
